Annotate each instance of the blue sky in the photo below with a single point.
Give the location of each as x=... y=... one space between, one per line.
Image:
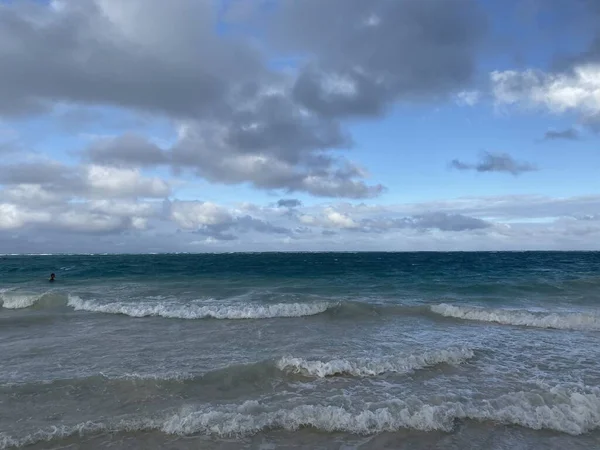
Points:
x=388 y=125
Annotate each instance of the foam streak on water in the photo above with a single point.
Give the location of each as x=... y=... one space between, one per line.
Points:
x=179 y=311
x=364 y=367
x=559 y=320
x=564 y=411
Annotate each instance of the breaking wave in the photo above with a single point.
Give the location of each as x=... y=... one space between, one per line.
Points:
x=19 y=301
x=9 y=299
x=365 y=367
x=569 y=412
x=558 y=409
x=195 y=311
x=210 y=310
x=565 y=320
x=256 y=373
x=559 y=320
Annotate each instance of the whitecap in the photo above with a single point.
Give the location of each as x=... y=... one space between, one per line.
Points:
x=363 y=367
x=568 y=411
x=195 y=311
x=546 y=319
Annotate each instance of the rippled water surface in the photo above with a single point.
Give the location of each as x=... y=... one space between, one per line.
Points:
x=366 y=350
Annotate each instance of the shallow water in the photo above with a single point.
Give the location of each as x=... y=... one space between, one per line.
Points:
x=366 y=350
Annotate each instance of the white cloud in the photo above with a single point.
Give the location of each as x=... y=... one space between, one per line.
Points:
x=468 y=98
x=307 y=219
x=30 y=194
x=329 y=218
x=577 y=90
x=124 y=182
x=339 y=220
x=190 y=215
x=478 y=223
x=139 y=223
x=247 y=120
x=82 y=216
x=88 y=222
x=14 y=217
x=123 y=208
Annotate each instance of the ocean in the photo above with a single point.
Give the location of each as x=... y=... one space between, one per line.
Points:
x=301 y=350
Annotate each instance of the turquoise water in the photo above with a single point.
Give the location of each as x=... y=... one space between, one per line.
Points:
x=325 y=350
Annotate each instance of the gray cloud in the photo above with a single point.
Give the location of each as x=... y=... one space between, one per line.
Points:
x=32 y=195
x=270 y=144
x=141 y=226
x=356 y=219
x=216 y=235
x=289 y=203
x=83 y=217
x=217 y=222
x=244 y=121
x=369 y=54
x=442 y=221
x=204 y=150
x=447 y=222
x=570 y=134
x=457 y=164
x=82 y=181
x=495 y=162
x=75 y=118
x=244 y=224
x=49 y=55
x=247 y=223
x=587 y=217
x=589 y=24
x=53 y=175
x=10 y=146
x=493 y=208
x=591 y=121
x=128 y=150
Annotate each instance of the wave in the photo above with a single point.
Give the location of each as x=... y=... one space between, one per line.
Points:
x=250 y=372
x=558 y=320
x=150 y=308
x=566 y=411
x=364 y=367
x=194 y=311
x=9 y=299
x=19 y=301
x=569 y=412
x=259 y=372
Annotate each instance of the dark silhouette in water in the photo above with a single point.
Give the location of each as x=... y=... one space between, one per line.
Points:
x=52 y=276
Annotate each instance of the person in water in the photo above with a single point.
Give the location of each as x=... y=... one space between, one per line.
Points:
x=52 y=276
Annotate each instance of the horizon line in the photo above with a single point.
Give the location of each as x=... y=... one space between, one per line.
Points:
x=293 y=252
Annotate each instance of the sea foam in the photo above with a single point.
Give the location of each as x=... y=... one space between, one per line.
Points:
x=364 y=367
x=195 y=311
x=559 y=320
x=573 y=413
x=12 y=300
x=266 y=370
x=567 y=411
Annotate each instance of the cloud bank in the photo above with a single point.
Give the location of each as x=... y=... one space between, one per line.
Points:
x=240 y=120
x=261 y=97
x=147 y=225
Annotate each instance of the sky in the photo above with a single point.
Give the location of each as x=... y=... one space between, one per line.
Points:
x=147 y=126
